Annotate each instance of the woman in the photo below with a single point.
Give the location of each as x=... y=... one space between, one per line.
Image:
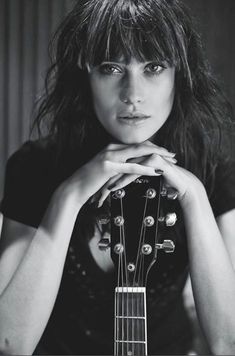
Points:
x=129 y=88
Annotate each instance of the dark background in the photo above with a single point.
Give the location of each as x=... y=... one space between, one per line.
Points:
x=25 y=28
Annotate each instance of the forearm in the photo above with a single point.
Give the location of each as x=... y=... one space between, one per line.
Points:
x=27 y=301
x=212 y=274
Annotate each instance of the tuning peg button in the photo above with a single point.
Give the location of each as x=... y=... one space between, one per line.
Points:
x=169 y=192
x=170 y=219
x=172 y=193
x=103 y=220
x=104 y=244
x=167 y=246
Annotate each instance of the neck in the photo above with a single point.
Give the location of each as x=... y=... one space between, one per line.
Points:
x=130 y=321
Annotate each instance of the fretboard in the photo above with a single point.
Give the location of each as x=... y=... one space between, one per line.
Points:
x=130 y=321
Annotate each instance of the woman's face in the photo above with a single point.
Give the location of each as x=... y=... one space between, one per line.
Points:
x=132 y=100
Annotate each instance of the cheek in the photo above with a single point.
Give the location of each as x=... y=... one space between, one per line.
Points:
x=104 y=97
x=163 y=97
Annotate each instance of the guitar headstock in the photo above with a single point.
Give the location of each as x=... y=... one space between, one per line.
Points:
x=136 y=224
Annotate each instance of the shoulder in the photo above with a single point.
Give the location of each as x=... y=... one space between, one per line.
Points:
x=29 y=181
x=33 y=153
x=223 y=192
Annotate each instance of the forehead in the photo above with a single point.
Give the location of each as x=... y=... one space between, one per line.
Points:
x=143 y=29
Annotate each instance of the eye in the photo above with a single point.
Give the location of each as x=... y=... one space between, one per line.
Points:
x=154 y=68
x=109 y=68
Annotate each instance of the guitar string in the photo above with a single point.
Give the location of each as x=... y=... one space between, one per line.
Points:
x=120 y=297
x=140 y=241
x=117 y=308
x=141 y=272
x=156 y=228
x=122 y=239
x=127 y=282
x=140 y=281
x=139 y=268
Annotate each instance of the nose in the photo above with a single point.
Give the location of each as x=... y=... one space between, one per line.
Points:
x=132 y=90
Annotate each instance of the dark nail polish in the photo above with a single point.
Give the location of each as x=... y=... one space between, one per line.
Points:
x=159 y=171
x=111 y=186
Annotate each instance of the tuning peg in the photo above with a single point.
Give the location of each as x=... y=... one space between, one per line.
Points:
x=119 y=220
x=168 y=246
x=119 y=194
x=148 y=221
x=170 y=219
x=118 y=248
x=150 y=193
x=169 y=192
x=104 y=244
x=172 y=193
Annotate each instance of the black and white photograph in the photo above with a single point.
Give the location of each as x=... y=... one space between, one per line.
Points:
x=117 y=177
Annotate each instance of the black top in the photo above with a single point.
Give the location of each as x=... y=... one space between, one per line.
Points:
x=82 y=319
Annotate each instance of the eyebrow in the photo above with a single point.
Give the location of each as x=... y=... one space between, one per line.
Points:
x=127 y=63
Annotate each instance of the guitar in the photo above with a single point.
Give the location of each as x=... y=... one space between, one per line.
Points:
x=137 y=225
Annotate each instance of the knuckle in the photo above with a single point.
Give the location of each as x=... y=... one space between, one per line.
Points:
x=111 y=146
x=106 y=156
x=154 y=156
x=106 y=165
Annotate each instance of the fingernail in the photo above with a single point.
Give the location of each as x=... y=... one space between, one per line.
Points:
x=159 y=171
x=111 y=186
x=96 y=204
x=172 y=154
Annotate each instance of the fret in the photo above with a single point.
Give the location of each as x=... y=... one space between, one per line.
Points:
x=130 y=329
x=130 y=304
x=130 y=321
x=129 y=317
x=130 y=349
x=131 y=341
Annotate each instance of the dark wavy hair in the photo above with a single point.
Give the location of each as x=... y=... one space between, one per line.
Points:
x=163 y=30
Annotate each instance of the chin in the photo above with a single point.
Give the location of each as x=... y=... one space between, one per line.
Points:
x=132 y=140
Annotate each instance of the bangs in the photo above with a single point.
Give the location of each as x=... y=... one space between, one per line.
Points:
x=127 y=28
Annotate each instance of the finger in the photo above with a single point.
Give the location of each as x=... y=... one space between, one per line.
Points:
x=123 y=181
x=142 y=159
x=134 y=151
x=122 y=146
x=130 y=171
x=104 y=195
x=118 y=184
x=132 y=168
x=104 y=191
x=165 y=151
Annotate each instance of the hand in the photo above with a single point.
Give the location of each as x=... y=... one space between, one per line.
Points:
x=186 y=183
x=114 y=162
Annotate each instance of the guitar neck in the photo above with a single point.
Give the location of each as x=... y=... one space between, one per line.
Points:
x=130 y=321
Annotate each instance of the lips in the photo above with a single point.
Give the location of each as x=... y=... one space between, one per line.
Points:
x=133 y=116
x=133 y=119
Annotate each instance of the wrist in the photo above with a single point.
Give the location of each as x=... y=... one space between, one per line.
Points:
x=67 y=197
x=194 y=196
